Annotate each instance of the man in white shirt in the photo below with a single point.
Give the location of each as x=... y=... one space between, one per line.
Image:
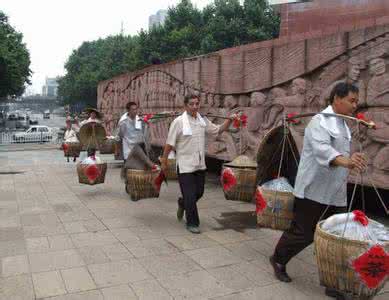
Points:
x=321 y=183
x=187 y=137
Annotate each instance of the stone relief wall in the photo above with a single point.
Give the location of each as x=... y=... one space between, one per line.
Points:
x=227 y=82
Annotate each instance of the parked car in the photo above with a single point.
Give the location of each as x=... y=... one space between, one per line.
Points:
x=38 y=133
x=46 y=114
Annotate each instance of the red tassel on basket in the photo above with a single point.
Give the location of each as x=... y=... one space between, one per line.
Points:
x=260 y=202
x=359 y=216
x=65 y=148
x=158 y=181
x=228 y=179
x=92 y=172
x=372 y=266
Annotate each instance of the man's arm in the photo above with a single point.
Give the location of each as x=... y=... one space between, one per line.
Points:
x=356 y=161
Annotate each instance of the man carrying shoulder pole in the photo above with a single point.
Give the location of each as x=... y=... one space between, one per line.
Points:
x=187 y=136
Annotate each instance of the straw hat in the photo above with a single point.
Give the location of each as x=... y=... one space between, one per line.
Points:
x=242 y=161
x=89 y=110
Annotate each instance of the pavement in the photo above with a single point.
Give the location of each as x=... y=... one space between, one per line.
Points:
x=61 y=240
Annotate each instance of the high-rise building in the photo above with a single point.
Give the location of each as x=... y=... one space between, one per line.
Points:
x=50 y=89
x=158 y=18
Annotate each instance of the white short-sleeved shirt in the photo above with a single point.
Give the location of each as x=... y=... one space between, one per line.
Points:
x=190 y=149
x=316 y=179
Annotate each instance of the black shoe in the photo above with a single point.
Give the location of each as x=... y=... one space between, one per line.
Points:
x=279 y=271
x=180 y=211
x=334 y=294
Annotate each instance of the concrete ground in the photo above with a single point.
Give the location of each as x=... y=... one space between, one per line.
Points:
x=61 y=240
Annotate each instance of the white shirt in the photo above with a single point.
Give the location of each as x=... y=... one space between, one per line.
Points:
x=131 y=135
x=190 y=149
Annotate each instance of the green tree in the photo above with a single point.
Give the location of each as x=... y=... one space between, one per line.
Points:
x=93 y=62
x=14 y=60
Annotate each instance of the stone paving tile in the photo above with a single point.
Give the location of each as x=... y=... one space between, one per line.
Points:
x=14 y=265
x=116 y=252
x=77 y=280
x=196 y=285
x=55 y=260
x=48 y=284
x=124 y=234
x=242 y=250
x=11 y=234
x=16 y=288
x=150 y=290
x=12 y=248
x=91 y=225
x=89 y=295
x=120 y=292
x=213 y=257
x=40 y=244
x=190 y=242
x=169 y=265
x=91 y=239
x=150 y=247
x=270 y=292
x=232 y=279
x=93 y=255
x=115 y=273
x=227 y=236
x=43 y=230
x=60 y=242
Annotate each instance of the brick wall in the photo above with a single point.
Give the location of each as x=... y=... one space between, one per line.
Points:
x=320 y=17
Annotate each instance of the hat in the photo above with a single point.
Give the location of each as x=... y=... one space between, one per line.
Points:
x=89 y=110
x=242 y=161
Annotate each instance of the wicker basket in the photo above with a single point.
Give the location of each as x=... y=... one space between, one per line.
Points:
x=278 y=213
x=334 y=255
x=107 y=147
x=244 y=188
x=171 y=172
x=118 y=150
x=140 y=184
x=72 y=149
x=83 y=178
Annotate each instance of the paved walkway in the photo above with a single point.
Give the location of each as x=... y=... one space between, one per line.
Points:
x=61 y=240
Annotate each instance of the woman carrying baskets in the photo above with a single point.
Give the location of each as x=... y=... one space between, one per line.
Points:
x=187 y=137
x=321 y=183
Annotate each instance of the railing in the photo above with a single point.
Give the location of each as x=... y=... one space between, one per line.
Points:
x=55 y=136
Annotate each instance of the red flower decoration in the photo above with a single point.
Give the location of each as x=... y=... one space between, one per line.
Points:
x=65 y=148
x=290 y=116
x=260 y=202
x=361 y=116
x=359 y=216
x=159 y=179
x=240 y=121
x=243 y=120
x=147 y=118
x=372 y=266
x=92 y=172
x=228 y=179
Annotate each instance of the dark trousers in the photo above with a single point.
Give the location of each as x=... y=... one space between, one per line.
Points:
x=192 y=189
x=307 y=214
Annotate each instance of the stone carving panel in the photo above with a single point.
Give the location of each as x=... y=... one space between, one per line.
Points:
x=159 y=90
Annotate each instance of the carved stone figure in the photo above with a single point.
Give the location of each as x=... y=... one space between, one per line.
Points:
x=378 y=86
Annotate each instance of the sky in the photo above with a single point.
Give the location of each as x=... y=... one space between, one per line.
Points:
x=52 y=29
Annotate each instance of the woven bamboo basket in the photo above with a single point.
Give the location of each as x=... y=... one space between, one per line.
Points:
x=140 y=184
x=73 y=149
x=107 y=146
x=243 y=172
x=171 y=172
x=118 y=150
x=82 y=178
x=278 y=213
x=334 y=255
x=245 y=184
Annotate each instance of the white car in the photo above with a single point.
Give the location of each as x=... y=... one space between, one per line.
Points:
x=34 y=134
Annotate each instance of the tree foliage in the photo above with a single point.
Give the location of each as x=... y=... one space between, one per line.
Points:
x=14 y=60
x=187 y=31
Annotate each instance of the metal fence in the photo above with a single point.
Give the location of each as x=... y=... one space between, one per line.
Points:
x=55 y=136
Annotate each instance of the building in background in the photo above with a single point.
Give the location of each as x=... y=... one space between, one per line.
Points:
x=50 y=89
x=158 y=18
